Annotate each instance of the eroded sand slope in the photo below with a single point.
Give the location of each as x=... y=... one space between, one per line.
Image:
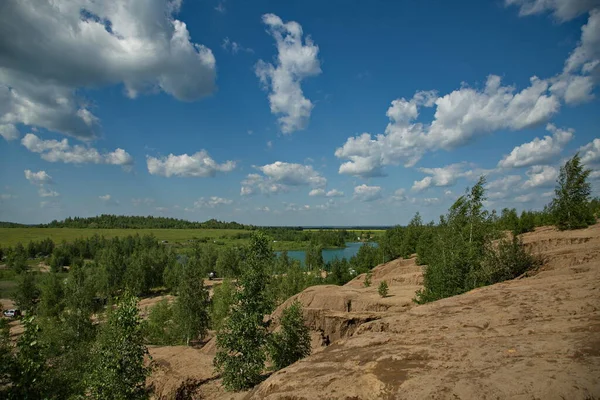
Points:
x=530 y=338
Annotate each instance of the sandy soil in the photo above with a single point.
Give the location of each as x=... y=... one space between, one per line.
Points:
x=537 y=337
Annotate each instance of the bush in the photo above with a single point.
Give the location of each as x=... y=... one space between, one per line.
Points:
x=507 y=260
x=367 y=281
x=293 y=341
x=383 y=289
x=161 y=328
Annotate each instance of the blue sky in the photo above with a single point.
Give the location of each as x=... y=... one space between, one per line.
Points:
x=292 y=113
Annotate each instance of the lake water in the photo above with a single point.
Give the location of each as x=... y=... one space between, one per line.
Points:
x=329 y=254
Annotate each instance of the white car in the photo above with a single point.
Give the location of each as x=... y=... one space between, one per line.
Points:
x=12 y=313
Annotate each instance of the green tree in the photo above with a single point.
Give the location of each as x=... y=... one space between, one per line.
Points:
x=27 y=369
x=51 y=296
x=570 y=207
x=117 y=370
x=241 y=342
x=191 y=306
x=383 y=289
x=228 y=263
x=26 y=292
x=314 y=257
x=368 y=277
x=161 y=327
x=222 y=300
x=292 y=342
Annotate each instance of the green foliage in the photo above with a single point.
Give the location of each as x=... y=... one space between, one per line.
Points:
x=314 y=257
x=383 y=289
x=229 y=261
x=367 y=281
x=105 y=221
x=458 y=246
x=51 y=296
x=161 y=328
x=191 y=306
x=241 y=342
x=26 y=369
x=26 y=292
x=117 y=370
x=340 y=272
x=222 y=300
x=292 y=342
x=570 y=206
x=506 y=259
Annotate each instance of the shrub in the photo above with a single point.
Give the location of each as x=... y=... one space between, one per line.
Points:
x=293 y=341
x=507 y=260
x=367 y=281
x=161 y=328
x=383 y=289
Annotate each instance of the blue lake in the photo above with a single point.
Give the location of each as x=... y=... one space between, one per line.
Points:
x=329 y=254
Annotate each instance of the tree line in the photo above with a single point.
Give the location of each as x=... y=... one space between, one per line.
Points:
x=109 y=221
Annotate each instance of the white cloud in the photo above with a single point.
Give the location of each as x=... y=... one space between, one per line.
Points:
x=400 y=195
x=367 y=193
x=142 y=201
x=442 y=176
x=334 y=193
x=281 y=177
x=317 y=192
x=504 y=184
x=590 y=153
x=263 y=209
x=525 y=198
x=108 y=200
x=9 y=132
x=460 y=116
x=563 y=10
x=211 y=202
x=61 y=151
x=7 y=196
x=234 y=47
x=199 y=164
x=296 y=207
x=94 y=43
x=295 y=61
x=541 y=176
x=293 y=174
x=43 y=192
x=539 y=150
x=38 y=178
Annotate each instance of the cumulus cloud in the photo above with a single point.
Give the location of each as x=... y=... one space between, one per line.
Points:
x=367 y=193
x=43 y=192
x=142 y=201
x=400 y=195
x=108 y=200
x=540 y=176
x=563 y=10
x=62 y=151
x=590 y=153
x=139 y=44
x=211 y=202
x=198 y=165
x=459 y=117
x=38 y=178
x=281 y=177
x=295 y=61
x=538 y=151
x=334 y=193
x=317 y=192
x=442 y=176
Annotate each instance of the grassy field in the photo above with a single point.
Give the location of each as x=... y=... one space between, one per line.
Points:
x=226 y=237
x=12 y=236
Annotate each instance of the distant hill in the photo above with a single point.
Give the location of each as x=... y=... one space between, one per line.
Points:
x=4 y=224
x=108 y=221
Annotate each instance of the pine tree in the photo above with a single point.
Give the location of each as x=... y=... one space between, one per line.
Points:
x=383 y=289
x=570 y=206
